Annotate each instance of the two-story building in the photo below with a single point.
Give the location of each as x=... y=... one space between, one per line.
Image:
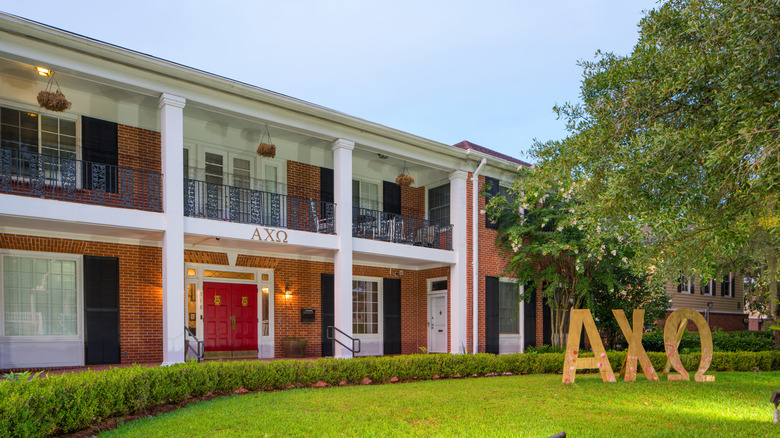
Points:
x=147 y=209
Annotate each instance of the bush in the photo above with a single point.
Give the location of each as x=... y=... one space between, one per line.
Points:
x=71 y=402
x=721 y=341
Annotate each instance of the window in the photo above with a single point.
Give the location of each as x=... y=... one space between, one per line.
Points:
x=19 y=131
x=22 y=131
x=684 y=284
x=214 y=168
x=365 y=195
x=508 y=308
x=439 y=205
x=707 y=288
x=39 y=296
x=365 y=307
x=727 y=286
x=241 y=173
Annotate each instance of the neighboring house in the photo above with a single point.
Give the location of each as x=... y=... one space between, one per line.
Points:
x=145 y=208
x=720 y=300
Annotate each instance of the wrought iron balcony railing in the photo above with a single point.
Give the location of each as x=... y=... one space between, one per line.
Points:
x=46 y=176
x=398 y=228
x=247 y=206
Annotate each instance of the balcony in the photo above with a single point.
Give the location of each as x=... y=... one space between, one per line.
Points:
x=68 y=179
x=259 y=207
x=398 y=228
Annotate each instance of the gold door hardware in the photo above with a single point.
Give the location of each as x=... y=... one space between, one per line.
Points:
x=233 y=322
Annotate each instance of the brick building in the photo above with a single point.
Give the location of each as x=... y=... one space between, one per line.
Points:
x=147 y=207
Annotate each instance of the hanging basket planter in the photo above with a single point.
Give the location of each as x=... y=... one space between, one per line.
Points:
x=53 y=100
x=404 y=179
x=266 y=149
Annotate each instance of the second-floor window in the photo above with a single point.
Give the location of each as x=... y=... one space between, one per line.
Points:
x=365 y=195
x=24 y=131
x=439 y=205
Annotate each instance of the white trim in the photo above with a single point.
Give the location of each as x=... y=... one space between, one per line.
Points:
x=509 y=339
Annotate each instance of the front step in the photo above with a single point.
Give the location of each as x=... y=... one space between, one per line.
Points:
x=244 y=354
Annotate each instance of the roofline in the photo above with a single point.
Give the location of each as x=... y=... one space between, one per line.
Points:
x=116 y=54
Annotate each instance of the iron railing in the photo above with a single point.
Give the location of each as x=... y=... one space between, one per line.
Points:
x=248 y=206
x=331 y=334
x=398 y=228
x=47 y=176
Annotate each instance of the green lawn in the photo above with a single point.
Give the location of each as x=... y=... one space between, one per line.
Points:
x=736 y=404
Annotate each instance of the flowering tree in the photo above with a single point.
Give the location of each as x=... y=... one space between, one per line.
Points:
x=566 y=259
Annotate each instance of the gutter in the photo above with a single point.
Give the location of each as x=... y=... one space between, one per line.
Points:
x=475 y=255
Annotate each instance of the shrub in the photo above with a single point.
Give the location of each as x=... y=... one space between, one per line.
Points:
x=721 y=341
x=67 y=403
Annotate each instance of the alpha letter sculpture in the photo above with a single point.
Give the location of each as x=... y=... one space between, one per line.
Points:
x=571 y=363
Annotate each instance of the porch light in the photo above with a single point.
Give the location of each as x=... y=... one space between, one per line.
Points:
x=43 y=71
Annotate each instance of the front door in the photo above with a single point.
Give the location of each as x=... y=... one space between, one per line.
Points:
x=437 y=323
x=230 y=318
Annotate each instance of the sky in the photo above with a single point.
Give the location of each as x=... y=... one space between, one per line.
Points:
x=484 y=71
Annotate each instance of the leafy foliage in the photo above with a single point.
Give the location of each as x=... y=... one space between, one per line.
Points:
x=677 y=145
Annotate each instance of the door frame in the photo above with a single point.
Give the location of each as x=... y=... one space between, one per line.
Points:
x=265 y=344
x=429 y=308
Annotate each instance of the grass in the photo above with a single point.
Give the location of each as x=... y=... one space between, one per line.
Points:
x=736 y=404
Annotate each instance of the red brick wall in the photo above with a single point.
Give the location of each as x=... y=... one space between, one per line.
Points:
x=140 y=288
x=139 y=148
x=724 y=321
x=491 y=262
x=303 y=279
x=413 y=201
x=303 y=180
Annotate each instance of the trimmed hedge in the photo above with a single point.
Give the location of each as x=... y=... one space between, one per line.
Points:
x=721 y=341
x=71 y=402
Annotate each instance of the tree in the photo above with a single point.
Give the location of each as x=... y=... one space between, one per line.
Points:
x=547 y=246
x=676 y=145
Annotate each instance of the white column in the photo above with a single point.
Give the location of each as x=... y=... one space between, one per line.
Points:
x=342 y=266
x=172 y=136
x=458 y=286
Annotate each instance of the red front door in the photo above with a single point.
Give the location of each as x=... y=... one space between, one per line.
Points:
x=230 y=316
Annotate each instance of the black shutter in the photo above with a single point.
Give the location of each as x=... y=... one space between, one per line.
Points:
x=326 y=303
x=529 y=315
x=491 y=315
x=491 y=193
x=733 y=287
x=392 y=318
x=99 y=145
x=326 y=184
x=101 y=303
x=391 y=197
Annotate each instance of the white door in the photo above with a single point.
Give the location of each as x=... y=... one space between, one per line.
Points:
x=437 y=323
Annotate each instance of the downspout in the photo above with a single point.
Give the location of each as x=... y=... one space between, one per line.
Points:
x=475 y=256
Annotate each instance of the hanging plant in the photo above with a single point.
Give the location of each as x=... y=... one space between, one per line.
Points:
x=404 y=179
x=266 y=149
x=53 y=100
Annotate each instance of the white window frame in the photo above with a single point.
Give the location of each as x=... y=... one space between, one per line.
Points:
x=379 y=191
x=511 y=338
x=379 y=335
x=78 y=258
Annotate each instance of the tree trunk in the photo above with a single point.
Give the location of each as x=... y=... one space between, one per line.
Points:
x=771 y=260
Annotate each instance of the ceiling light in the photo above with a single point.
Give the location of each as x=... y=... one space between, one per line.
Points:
x=43 y=71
